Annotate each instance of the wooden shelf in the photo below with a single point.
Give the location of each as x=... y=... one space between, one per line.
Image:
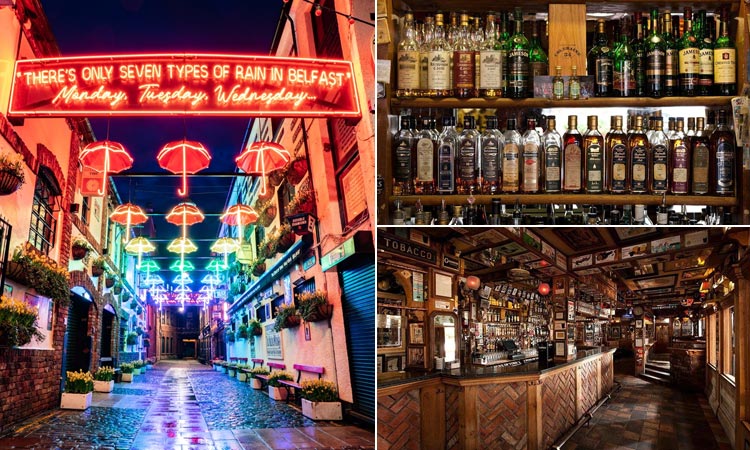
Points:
x=595 y=102
x=592 y=6
x=568 y=199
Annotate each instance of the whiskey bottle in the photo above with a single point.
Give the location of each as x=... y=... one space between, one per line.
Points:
x=689 y=57
x=725 y=59
x=403 y=150
x=463 y=62
x=572 y=158
x=659 y=170
x=574 y=84
x=722 y=147
x=593 y=144
x=623 y=75
x=558 y=84
x=706 y=46
x=671 y=60
x=468 y=145
x=639 y=158
x=439 y=69
x=428 y=31
x=679 y=147
x=538 y=62
x=618 y=157
x=531 y=159
x=518 y=61
x=551 y=158
x=505 y=42
x=700 y=161
x=408 y=61
x=491 y=142
x=510 y=157
x=639 y=62
x=424 y=176
x=490 y=62
x=600 y=61
x=656 y=53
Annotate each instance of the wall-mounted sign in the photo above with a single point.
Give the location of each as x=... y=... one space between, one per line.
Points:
x=302 y=223
x=193 y=84
x=450 y=262
x=399 y=246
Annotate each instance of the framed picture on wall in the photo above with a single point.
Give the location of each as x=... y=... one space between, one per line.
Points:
x=614 y=332
x=442 y=285
x=415 y=357
x=392 y=363
x=416 y=333
x=559 y=335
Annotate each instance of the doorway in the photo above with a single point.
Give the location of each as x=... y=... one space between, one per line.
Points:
x=105 y=350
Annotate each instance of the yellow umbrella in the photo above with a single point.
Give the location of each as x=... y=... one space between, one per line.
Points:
x=226 y=246
x=182 y=245
x=139 y=246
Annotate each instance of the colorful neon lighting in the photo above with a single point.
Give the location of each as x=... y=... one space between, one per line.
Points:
x=128 y=214
x=184 y=157
x=182 y=266
x=105 y=157
x=149 y=266
x=261 y=158
x=139 y=246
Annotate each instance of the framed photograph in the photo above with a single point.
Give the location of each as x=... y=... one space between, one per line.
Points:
x=653 y=283
x=639 y=323
x=559 y=348
x=274 y=348
x=571 y=311
x=379 y=360
x=628 y=233
x=392 y=363
x=417 y=286
x=559 y=315
x=582 y=261
x=559 y=335
x=442 y=285
x=307 y=331
x=614 y=332
x=415 y=356
x=416 y=333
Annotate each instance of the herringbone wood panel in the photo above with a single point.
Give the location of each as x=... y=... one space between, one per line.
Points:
x=399 y=421
x=502 y=416
x=558 y=404
x=607 y=382
x=588 y=394
x=451 y=417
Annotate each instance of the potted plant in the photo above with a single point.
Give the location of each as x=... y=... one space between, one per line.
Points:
x=104 y=379
x=109 y=281
x=241 y=374
x=266 y=212
x=285 y=238
x=98 y=266
x=127 y=372
x=117 y=289
x=276 y=177
x=80 y=248
x=242 y=332
x=230 y=336
x=286 y=317
x=11 y=172
x=258 y=266
x=32 y=268
x=303 y=202
x=320 y=400
x=232 y=369
x=78 y=388
x=296 y=170
x=254 y=327
x=314 y=306
x=131 y=338
x=256 y=383
x=269 y=246
x=17 y=323
x=275 y=391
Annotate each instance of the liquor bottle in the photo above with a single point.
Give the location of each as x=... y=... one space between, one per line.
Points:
x=623 y=76
x=446 y=156
x=639 y=60
x=593 y=145
x=505 y=42
x=408 y=73
x=439 y=69
x=428 y=31
x=700 y=161
x=706 y=46
x=424 y=176
x=558 y=84
x=639 y=160
x=468 y=145
x=538 y=61
x=531 y=159
x=491 y=141
x=659 y=170
x=618 y=157
x=490 y=62
x=518 y=61
x=671 y=60
x=689 y=57
x=725 y=59
x=599 y=61
x=463 y=62
x=403 y=150
x=458 y=216
x=574 y=84
x=656 y=53
x=572 y=158
x=662 y=212
x=510 y=156
x=679 y=148
x=551 y=159
x=670 y=127
x=710 y=122
x=722 y=149
x=690 y=130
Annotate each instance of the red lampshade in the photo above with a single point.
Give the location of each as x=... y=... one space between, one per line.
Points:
x=543 y=288
x=473 y=282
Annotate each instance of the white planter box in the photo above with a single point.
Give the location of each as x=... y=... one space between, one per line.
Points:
x=75 y=401
x=217 y=367
x=242 y=376
x=149 y=367
x=321 y=410
x=104 y=386
x=127 y=378
x=256 y=383
x=231 y=372
x=136 y=371
x=222 y=369
x=277 y=393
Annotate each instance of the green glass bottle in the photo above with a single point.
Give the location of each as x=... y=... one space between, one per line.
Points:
x=504 y=39
x=671 y=61
x=600 y=61
x=706 y=64
x=689 y=57
x=538 y=61
x=623 y=76
x=518 y=61
x=656 y=52
x=725 y=59
x=639 y=61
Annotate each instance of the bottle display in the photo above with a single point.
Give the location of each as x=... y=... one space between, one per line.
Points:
x=623 y=75
x=593 y=145
x=511 y=156
x=600 y=61
x=656 y=53
x=725 y=59
x=531 y=159
x=468 y=146
x=618 y=157
x=639 y=158
x=552 y=157
x=463 y=62
x=518 y=60
x=491 y=141
x=446 y=156
x=679 y=147
x=659 y=170
x=700 y=168
x=572 y=157
x=439 y=68
x=403 y=143
x=574 y=84
x=538 y=61
x=425 y=143
x=689 y=57
x=490 y=62
x=706 y=46
x=408 y=71
x=639 y=61
x=558 y=84
x=723 y=159
x=671 y=58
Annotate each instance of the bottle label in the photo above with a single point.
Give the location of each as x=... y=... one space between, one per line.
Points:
x=424 y=69
x=558 y=89
x=623 y=79
x=445 y=169
x=594 y=168
x=671 y=67
x=408 y=70
x=489 y=160
x=619 y=167
x=552 y=168
x=463 y=69
x=655 y=67
x=530 y=167
x=510 y=167
x=639 y=166
x=518 y=70
x=575 y=89
x=660 y=158
x=640 y=67
x=425 y=148
x=690 y=61
x=490 y=69
x=725 y=168
x=706 y=67
x=467 y=160
x=438 y=76
x=725 y=66
x=402 y=169
x=679 y=169
x=700 y=169
x=572 y=168
x=604 y=71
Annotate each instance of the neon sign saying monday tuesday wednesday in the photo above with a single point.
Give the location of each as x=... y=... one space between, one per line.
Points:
x=194 y=84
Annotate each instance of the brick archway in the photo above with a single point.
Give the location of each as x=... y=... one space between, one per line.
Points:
x=80 y=278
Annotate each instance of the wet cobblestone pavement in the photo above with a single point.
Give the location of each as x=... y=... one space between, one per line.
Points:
x=184 y=405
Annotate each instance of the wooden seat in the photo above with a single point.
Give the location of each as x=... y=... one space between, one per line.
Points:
x=257 y=361
x=271 y=365
x=293 y=386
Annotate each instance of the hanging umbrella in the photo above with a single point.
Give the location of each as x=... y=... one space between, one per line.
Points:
x=157 y=290
x=185 y=214
x=181 y=245
x=153 y=280
x=226 y=246
x=139 y=246
x=211 y=279
x=105 y=157
x=183 y=289
x=149 y=266
x=184 y=157
x=261 y=158
x=128 y=214
x=239 y=215
x=182 y=279
x=184 y=266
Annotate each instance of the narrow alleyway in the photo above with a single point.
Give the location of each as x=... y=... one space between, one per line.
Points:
x=184 y=405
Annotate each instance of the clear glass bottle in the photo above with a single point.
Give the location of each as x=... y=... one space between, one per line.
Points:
x=572 y=158
x=428 y=31
x=639 y=158
x=574 y=84
x=467 y=158
x=439 y=70
x=725 y=59
x=424 y=169
x=593 y=145
x=408 y=73
x=551 y=157
x=491 y=141
x=618 y=158
x=531 y=159
x=558 y=84
x=510 y=156
x=659 y=167
x=403 y=151
x=463 y=62
x=490 y=62
x=679 y=148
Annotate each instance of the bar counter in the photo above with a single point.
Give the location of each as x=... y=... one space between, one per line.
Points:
x=518 y=406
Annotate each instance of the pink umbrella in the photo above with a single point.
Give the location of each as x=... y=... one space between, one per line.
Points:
x=105 y=157
x=261 y=158
x=184 y=157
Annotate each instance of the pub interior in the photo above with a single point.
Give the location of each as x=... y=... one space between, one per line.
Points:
x=514 y=337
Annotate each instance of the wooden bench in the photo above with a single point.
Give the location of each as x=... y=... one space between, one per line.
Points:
x=292 y=387
x=271 y=365
x=238 y=360
x=257 y=361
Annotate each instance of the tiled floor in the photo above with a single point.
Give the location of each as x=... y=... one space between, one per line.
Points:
x=183 y=405
x=643 y=415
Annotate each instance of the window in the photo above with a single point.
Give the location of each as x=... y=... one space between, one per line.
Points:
x=43 y=223
x=710 y=333
x=732 y=354
x=85 y=210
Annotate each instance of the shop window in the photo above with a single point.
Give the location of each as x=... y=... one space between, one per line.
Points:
x=43 y=223
x=85 y=210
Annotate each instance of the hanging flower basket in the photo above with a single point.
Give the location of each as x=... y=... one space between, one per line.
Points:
x=17 y=272
x=97 y=271
x=270 y=192
x=78 y=253
x=297 y=171
x=117 y=290
x=276 y=177
x=10 y=182
x=303 y=202
x=259 y=269
x=286 y=239
x=292 y=321
x=314 y=306
x=42 y=273
x=109 y=282
x=321 y=312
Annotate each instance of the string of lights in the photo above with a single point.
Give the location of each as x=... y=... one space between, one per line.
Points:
x=318 y=10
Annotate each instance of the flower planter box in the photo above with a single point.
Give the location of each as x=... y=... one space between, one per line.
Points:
x=104 y=386
x=242 y=376
x=127 y=378
x=322 y=312
x=256 y=383
x=231 y=372
x=75 y=401
x=222 y=369
x=321 y=410
x=136 y=371
x=277 y=393
x=292 y=321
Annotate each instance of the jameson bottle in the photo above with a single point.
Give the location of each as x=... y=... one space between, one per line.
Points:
x=572 y=158
x=424 y=179
x=518 y=61
x=639 y=161
x=403 y=150
x=639 y=62
x=491 y=141
x=706 y=46
x=490 y=62
x=659 y=170
x=680 y=160
x=618 y=157
x=725 y=60
x=439 y=69
x=510 y=156
x=600 y=61
x=623 y=75
x=538 y=62
x=689 y=57
x=593 y=144
x=700 y=163
x=463 y=62
x=408 y=61
x=656 y=53
x=468 y=153
x=551 y=159
x=722 y=149
x=531 y=159
x=671 y=60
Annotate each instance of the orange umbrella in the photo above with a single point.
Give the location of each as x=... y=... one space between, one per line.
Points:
x=184 y=214
x=128 y=214
x=239 y=215
x=260 y=158
x=106 y=157
x=184 y=157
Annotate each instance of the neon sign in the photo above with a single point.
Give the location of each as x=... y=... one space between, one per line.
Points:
x=192 y=84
